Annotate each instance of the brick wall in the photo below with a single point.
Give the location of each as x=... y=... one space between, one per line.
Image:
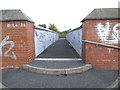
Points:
x=0 y=41
x=20 y=43
x=101 y=56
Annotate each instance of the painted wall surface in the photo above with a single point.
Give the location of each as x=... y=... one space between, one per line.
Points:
x=105 y=32
x=43 y=39
x=17 y=44
x=75 y=39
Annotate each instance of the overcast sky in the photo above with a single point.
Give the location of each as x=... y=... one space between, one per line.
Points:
x=64 y=14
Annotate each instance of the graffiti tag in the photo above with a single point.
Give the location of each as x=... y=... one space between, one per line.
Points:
x=107 y=34
x=41 y=37
x=5 y=42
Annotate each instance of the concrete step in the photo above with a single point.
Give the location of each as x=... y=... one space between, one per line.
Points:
x=57 y=71
x=59 y=59
x=57 y=63
x=57 y=66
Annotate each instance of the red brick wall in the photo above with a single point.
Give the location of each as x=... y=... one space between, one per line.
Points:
x=100 y=56
x=30 y=41
x=0 y=41
x=21 y=34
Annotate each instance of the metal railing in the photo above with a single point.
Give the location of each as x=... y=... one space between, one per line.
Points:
x=101 y=44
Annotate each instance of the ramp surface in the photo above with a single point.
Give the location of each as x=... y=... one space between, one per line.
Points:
x=59 y=49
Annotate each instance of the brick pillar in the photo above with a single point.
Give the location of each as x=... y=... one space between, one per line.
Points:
x=100 y=56
x=0 y=41
x=17 y=43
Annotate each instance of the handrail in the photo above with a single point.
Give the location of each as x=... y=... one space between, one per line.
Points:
x=91 y=42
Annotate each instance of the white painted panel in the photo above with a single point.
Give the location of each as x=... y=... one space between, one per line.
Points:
x=43 y=39
x=75 y=39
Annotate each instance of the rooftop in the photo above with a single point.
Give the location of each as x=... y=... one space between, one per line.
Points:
x=13 y=15
x=103 y=13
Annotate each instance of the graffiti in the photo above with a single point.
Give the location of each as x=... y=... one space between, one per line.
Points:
x=41 y=37
x=5 y=42
x=16 y=25
x=107 y=34
x=116 y=34
x=109 y=50
x=106 y=60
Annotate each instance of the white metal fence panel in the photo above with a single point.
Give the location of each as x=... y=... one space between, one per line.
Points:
x=43 y=39
x=74 y=37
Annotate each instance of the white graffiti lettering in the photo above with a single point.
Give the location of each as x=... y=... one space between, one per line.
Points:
x=116 y=32
x=5 y=42
x=40 y=36
x=16 y=25
x=108 y=35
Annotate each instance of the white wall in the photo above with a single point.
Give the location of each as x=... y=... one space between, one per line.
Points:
x=74 y=37
x=43 y=39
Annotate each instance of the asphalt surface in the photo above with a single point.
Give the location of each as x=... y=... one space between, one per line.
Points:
x=90 y=79
x=93 y=78
x=57 y=64
x=60 y=49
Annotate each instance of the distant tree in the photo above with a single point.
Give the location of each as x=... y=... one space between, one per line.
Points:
x=43 y=25
x=53 y=27
x=69 y=29
x=63 y=34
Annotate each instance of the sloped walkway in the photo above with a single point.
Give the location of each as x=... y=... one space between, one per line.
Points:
x=59 y=49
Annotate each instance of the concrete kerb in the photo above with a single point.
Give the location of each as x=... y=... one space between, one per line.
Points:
x=115 y=84
x=57 y=71
x=3 y=86
x=58 y=59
